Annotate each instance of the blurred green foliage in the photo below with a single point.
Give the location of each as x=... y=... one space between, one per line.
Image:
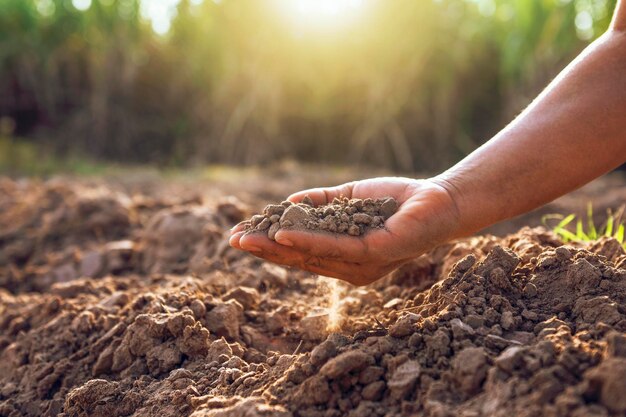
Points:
x=411 y=85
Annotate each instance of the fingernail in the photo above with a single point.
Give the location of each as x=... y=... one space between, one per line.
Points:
x=252 y=249
x=284 y=242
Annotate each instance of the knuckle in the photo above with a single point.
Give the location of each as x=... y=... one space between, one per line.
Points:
x=313 y=261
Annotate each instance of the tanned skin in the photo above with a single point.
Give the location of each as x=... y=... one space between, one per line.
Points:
x=573 y=132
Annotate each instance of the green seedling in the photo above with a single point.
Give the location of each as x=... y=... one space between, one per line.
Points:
x=612 y=227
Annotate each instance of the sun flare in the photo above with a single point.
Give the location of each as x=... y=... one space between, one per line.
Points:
x=319 y=14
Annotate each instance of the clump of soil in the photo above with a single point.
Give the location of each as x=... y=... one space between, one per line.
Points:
x=57 y=232
x=521 y=325
x=345 y=216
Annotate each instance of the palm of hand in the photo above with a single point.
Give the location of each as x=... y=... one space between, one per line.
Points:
x=424 y=210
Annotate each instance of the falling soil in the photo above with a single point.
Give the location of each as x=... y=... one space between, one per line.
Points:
x=133 y=306
x=343 y=215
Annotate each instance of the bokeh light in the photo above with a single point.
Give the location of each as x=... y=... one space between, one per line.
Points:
x=160 y=13
x=81 y=5
x=319 y=14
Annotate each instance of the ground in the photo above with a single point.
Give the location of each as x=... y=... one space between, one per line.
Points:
x=121 y=297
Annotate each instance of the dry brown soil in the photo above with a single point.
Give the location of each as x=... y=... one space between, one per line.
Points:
x=126 y=301
x=354 y=217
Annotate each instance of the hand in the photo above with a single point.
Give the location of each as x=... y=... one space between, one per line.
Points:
x=426 y=217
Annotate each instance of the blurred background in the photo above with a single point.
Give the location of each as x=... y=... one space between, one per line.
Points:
x=403 y=85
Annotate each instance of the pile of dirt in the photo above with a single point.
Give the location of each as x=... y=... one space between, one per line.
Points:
x=55 y=231
x=521 y=325
x=348 y=216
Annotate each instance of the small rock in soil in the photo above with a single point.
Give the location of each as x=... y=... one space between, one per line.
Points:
x=403 y=379
x=470 y=369
x=346 y=362
x=223 y=319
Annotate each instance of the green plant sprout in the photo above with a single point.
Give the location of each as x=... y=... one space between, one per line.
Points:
x=612 y=227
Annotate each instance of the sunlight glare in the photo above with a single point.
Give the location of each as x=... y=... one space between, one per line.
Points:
x=319 y=14
x=160 y=13
x=81 y=5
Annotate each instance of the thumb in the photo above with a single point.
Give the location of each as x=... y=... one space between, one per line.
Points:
x=321 y=196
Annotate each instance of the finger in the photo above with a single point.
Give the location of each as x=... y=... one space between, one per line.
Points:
x=325 y=245
x=352 y=273
x=239 y=227
x=355 y=273
x=312 y=266
x=265 y=248
x=258 y=241
x=234 y=240
x=321 y=196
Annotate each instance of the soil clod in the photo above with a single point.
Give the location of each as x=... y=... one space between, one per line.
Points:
x=344 y=216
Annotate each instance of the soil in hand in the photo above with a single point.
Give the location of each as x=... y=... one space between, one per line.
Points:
x=345 y=216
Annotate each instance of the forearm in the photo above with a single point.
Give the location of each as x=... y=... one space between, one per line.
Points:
x=572 y=133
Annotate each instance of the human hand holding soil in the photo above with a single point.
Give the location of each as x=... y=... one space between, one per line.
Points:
x=425 y=217
x=572 y=133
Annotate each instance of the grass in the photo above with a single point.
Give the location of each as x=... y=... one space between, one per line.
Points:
x=20 y=157
x=572 y=228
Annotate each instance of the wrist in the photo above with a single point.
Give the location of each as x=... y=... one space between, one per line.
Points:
x=451 y=198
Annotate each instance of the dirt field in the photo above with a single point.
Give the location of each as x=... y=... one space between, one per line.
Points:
x=121 y=297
